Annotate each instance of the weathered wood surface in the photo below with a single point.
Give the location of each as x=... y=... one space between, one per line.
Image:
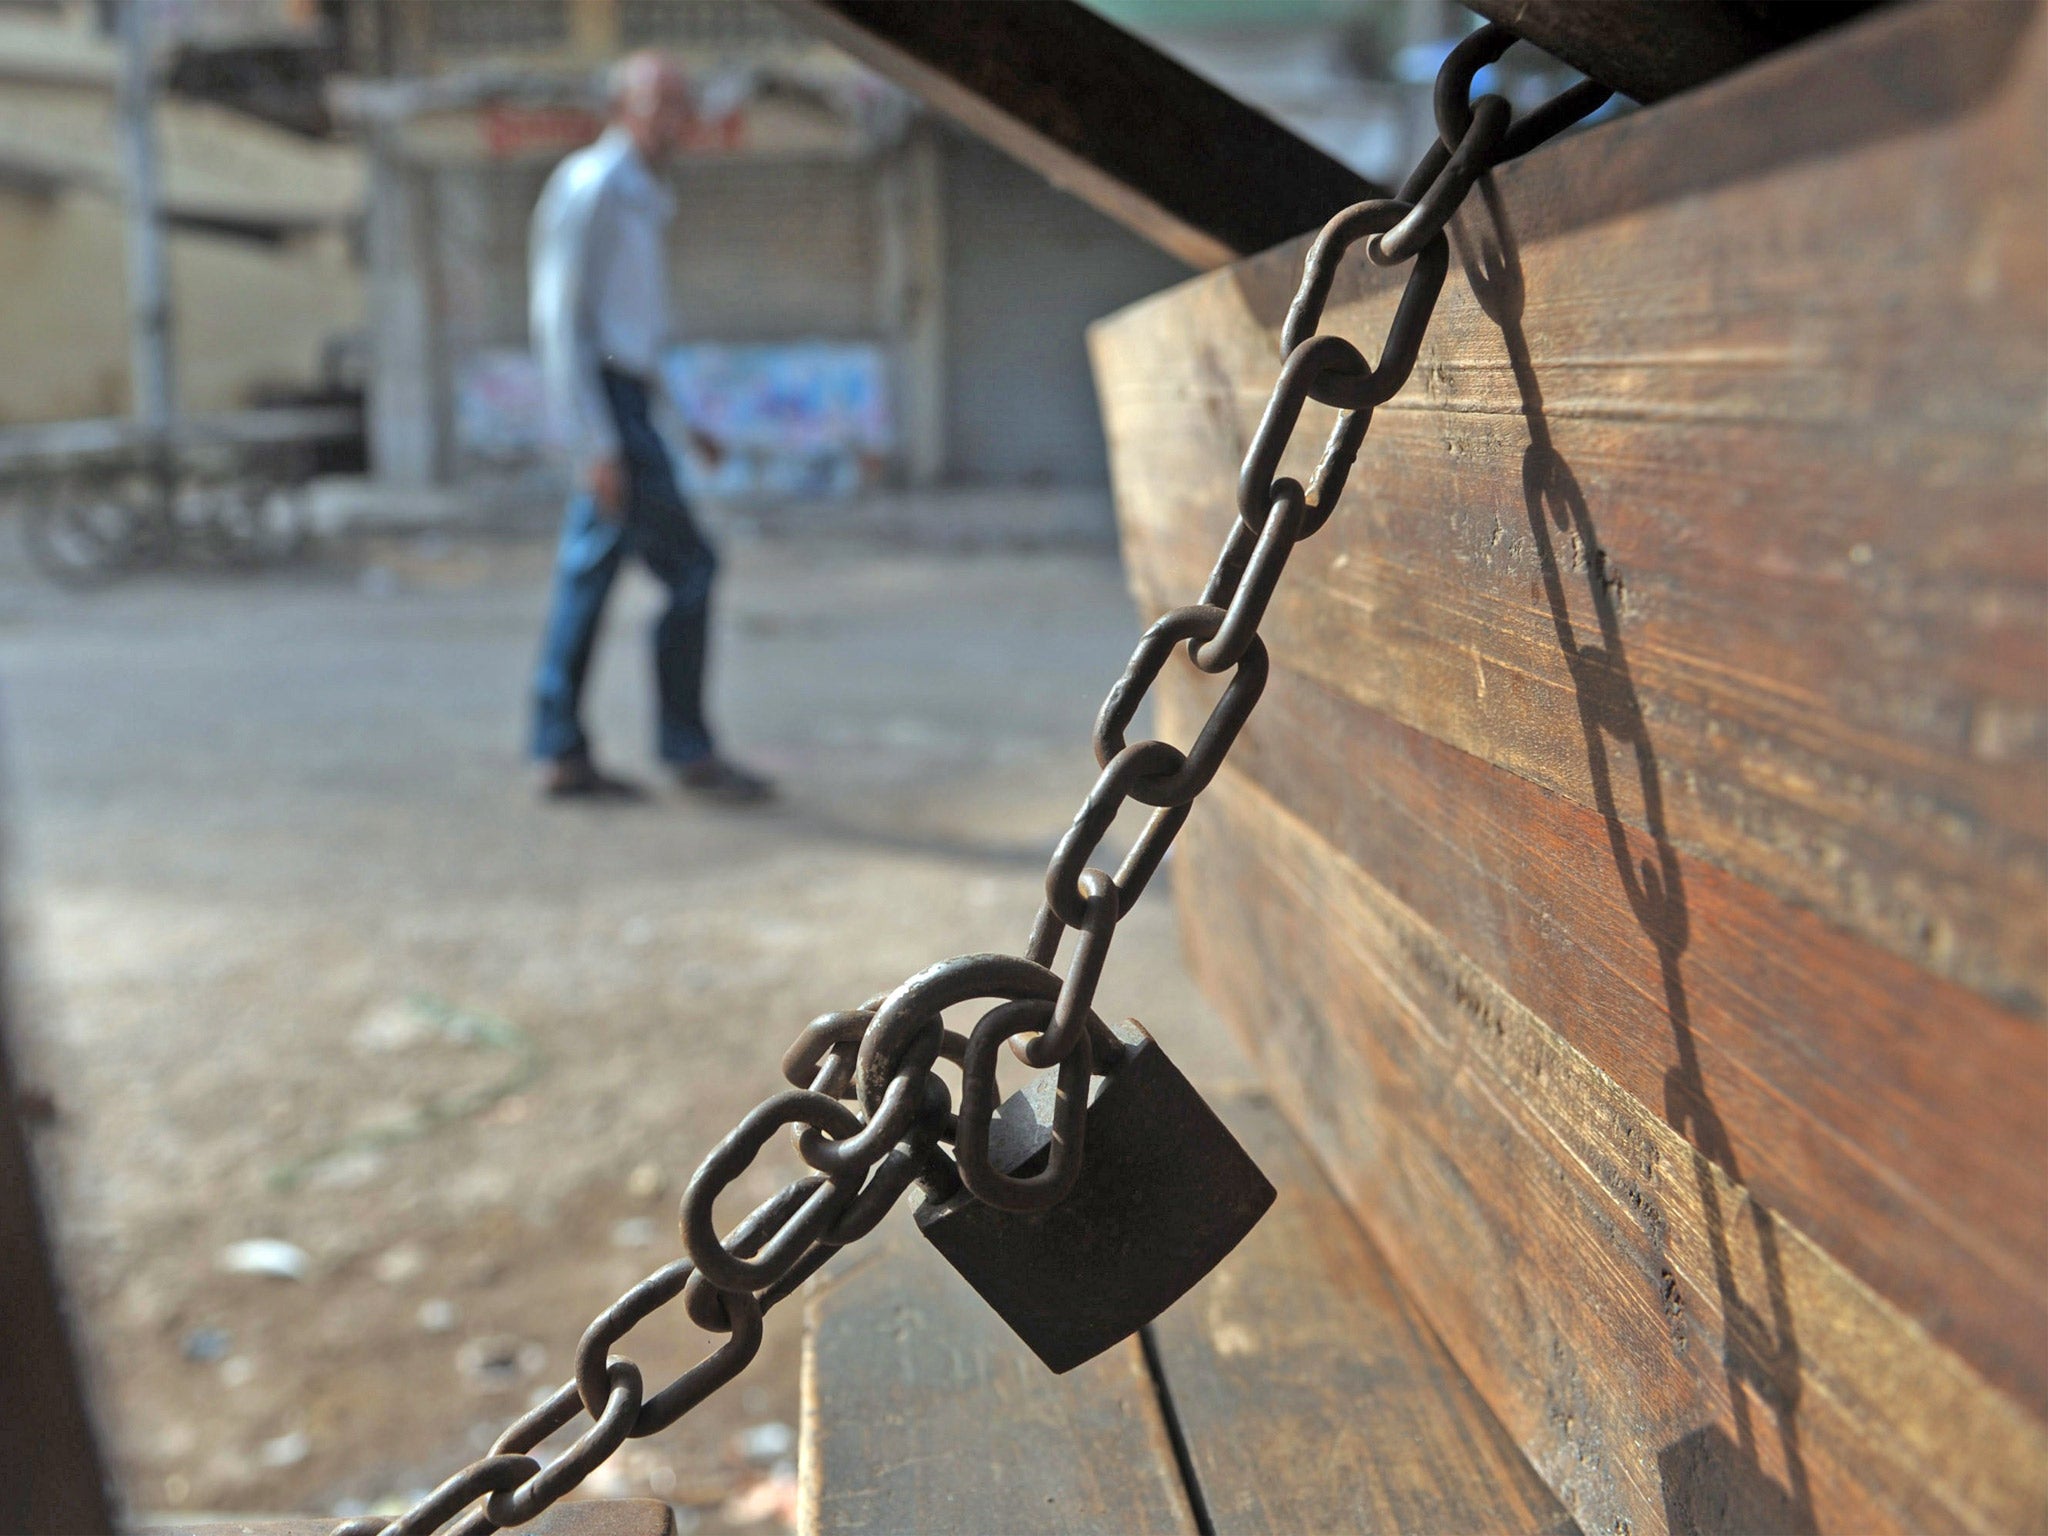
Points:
x=1659 y=948
x=1889 y=1114
x=1772 y=383
x=1309 y=1393
x=1103 y=115
x=1661 y=1344
x=922 y=1412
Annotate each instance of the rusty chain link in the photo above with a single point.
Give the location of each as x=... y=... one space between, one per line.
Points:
x=867 y=1111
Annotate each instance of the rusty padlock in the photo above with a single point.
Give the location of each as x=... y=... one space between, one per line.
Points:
x=1163 y=1192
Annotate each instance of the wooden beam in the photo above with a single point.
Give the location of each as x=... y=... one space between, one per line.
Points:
x=1101 y=115
x=51 y=1476
x=1651 y=49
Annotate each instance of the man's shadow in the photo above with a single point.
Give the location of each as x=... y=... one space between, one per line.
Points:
x=1711 y=1483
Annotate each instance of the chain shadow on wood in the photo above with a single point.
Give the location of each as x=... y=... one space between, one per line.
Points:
x=1711 y=1483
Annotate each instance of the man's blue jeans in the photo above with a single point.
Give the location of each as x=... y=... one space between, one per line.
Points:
x=655 y=525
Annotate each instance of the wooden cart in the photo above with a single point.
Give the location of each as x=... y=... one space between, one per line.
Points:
x=1633 y=883
x=100 y=499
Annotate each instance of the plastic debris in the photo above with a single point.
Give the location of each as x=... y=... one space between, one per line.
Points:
x=765 y=1444
x=397 y=1265
x=206 y=1345
x=397 y=1024
x=499 y=1360
x=634 y=1232
x=286 y=1450
x=266 y=1256
x=646 y=1181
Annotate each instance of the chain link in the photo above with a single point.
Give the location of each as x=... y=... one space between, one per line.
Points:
x=978 y=1096
x=866 y=1110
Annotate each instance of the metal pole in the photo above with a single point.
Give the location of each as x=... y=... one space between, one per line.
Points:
x=149 y=299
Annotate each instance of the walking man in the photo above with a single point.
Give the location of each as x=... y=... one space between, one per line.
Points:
x=600 y=322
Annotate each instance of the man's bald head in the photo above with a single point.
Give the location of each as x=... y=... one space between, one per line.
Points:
x=650 y=99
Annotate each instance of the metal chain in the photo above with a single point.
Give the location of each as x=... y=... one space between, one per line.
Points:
x=881 y=1055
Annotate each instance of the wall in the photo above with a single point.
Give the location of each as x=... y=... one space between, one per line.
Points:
x=1027 y=268
x=761 y=250
x=978 y=274
x=776 y=251
x=246 y=313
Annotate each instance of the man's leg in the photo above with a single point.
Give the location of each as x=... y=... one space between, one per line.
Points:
x=664 y=534
x=586 y=561
x=667 y=538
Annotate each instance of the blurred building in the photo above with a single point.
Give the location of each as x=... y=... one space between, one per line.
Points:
x=836 y=247
x=868 y=296
x=1350 y=76
x=266 y=282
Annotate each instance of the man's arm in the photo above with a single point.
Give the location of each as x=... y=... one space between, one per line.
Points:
x=569 y=242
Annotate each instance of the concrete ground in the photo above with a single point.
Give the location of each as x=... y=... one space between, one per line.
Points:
x=300 y=957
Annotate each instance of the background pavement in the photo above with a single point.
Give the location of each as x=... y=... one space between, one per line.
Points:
x=300 y=956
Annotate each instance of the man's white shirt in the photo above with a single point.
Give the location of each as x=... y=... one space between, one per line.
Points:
x=599 y=288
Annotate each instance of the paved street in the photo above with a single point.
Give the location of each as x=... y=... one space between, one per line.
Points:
x=300 y=957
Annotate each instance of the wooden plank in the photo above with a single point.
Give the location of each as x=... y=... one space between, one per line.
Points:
x=1309 y=1393
x=1895 y=1118
x=1636 y=877
x=922 y=1412
x=1102 y=115
x=1714 y=504
x=51 y=1475
x=1651 y=49
x=1669 y=1352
